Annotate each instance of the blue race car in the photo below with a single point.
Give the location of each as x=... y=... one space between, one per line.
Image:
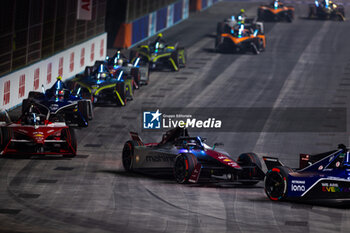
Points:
x=319 y=177
x=64 y=105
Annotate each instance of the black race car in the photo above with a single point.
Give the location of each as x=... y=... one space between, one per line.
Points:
x=240 y=37
x=325 y=9
x=189 y=159
x=102 y=87
x=160 y=55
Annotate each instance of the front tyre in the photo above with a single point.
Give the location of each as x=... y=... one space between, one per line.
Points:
x=276 y=183
x=71 y=141
x=252 y=161
x=184 y=166
x=128 y=155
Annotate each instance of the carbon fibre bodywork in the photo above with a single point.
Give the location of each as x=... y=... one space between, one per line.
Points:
x=102 y=87
x=325 y=10
x=167 y=57
x=189 y=159
x=37 y=136
x=276 y=11
x=63 y=104
x=240 y=37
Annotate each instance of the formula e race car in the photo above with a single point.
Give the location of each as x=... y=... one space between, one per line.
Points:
x=189 y=159
x=325 y=9
x=240 y=37
x=34 y=134
x=159 y=55
x=139 y=71
x=276 y=11
x=319 y=177
x=63 y=104
x=102 y=87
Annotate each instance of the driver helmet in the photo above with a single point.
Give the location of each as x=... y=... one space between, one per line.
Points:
x=32 y=119
x=160 y=35
x=120 y=62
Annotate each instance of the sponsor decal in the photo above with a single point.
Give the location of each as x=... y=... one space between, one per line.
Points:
x=160 y=158
x=334 y=188
x=54 y=107
x=298 y=186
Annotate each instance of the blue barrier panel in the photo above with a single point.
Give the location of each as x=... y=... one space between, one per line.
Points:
x=204 y=4
x=140 y=29
x=162 y=18
x=178 y=11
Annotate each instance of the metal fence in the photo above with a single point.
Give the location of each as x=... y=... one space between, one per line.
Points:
x=31 y=30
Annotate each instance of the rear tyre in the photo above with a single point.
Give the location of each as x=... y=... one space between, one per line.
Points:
x=122 y=94
x=6 y=135
x=84 y=107
x=220 y=27
x=128 y=155
x=183 y=167
x=136 y=74
x=69 y=135
x=255 y=49
x=25 y=105
x=175 y=58
x=249 y=160
x=260 y=15
x=312 y=11
x=276 y=183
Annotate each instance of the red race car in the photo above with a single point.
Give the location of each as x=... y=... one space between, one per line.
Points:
x=34 y=134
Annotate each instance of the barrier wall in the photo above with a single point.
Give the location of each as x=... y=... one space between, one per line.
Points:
x=199 y=5
x=148 y=25
x=15 y=86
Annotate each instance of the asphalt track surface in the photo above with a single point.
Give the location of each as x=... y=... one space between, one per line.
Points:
x=306 y=64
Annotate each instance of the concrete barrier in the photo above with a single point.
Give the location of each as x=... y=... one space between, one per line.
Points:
x=148 y=25
x=14 y=87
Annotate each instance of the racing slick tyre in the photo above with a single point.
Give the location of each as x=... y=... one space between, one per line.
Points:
x=312 y=11
x=184 y=166
x=174 y=61
x=35 y=95
x=253 y=163
x=136 y=74
x=255 y=49
x=218 y=42
x=220 y=27
x=25 y=105
x=182 y=57
x=6 y=135
x=84 y=108
x=121 y=94
x=128 y=155
x=69 y=135
x=276 y=183
x=260 y=15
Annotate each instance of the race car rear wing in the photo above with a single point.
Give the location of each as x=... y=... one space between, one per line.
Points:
x=135 y=137
x=271 y=162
